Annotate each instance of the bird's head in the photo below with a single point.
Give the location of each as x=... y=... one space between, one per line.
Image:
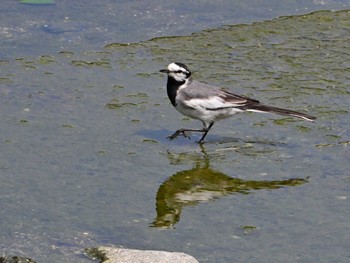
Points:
x=177 y=71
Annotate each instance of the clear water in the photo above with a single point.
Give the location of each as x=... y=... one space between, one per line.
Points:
x=84 y=157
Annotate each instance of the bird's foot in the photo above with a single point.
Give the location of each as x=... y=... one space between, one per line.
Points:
x=177 y=133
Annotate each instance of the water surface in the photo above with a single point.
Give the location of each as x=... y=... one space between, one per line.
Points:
x=85 y=160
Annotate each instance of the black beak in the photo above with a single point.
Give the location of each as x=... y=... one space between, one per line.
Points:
x=164 y=71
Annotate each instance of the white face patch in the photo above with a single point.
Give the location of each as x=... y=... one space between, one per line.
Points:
x=177 y=72
x=176 y=67
x=173 y=67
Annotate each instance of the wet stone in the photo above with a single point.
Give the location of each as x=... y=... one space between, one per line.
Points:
x=123 y=255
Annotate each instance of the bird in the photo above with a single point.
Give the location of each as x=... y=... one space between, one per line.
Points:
x=209 y=104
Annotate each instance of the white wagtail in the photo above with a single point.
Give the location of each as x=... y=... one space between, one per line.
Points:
x=207 y=103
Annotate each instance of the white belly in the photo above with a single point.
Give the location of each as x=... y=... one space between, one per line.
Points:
x=205 y=115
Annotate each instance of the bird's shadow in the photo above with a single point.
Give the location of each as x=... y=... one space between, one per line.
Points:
x=212 y=139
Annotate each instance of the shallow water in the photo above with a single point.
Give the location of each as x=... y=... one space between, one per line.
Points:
x=85 y=160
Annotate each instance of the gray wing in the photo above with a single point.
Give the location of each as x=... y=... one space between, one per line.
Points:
x=222 y=98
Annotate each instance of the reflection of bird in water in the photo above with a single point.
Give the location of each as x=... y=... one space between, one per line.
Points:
x=203 y=184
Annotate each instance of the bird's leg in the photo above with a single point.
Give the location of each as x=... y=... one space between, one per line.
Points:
x=206 y=129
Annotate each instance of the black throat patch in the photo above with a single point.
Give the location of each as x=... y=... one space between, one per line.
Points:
x=172 y=87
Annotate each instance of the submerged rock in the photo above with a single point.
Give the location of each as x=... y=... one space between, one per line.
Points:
x=16 y=259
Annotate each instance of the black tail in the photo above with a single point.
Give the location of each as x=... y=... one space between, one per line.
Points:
x=269 y=109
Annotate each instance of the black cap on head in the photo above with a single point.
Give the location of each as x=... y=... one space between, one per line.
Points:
x=183 y=66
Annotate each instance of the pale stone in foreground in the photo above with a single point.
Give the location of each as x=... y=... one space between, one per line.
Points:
x=123 y=255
